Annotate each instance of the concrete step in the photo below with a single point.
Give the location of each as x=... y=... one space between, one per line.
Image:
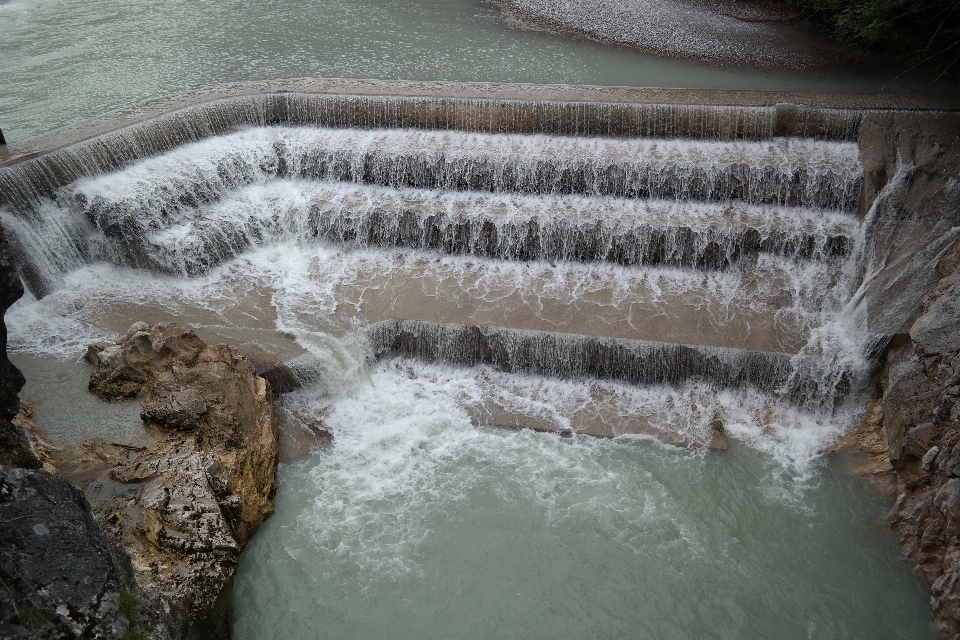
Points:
x=503 y=226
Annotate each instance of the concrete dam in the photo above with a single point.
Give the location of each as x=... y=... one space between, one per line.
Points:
x=692 y=267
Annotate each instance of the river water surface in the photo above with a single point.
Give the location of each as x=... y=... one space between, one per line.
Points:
x=66 y=60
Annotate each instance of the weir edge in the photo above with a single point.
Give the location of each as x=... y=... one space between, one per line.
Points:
x=17 y=152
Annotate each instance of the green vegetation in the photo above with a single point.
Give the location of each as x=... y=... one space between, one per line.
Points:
x=131 y=608
x=129 y=605
x=135 y=634
x=33 y=618
x=925 y=33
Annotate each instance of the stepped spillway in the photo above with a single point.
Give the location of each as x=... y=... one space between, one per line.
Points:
x=786 y=171
x=647 y=260
x=506 y=226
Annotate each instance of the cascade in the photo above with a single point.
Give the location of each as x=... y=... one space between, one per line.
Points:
x=647 y=244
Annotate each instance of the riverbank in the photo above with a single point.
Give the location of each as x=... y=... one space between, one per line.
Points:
x=725 y=32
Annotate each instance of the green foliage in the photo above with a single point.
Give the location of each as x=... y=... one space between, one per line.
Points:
x=135 y=633
x=33 y=618
x=129 y=605
x=131 y=609
x=924 y=32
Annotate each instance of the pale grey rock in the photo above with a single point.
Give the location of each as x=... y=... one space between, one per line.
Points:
x=938 y=330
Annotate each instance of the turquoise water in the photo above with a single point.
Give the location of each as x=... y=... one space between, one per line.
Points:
x=416 y=524
x=67 y=60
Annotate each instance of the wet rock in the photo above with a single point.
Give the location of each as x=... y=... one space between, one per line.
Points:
x=952 y=467
x=186 y=503
x=63 y=576
x=938 y=330
x=946 y=498
x=172 y=509
x=929 y=458
x=911 y=205
x=43 y=453
x=131 y=367
x=950 y=262
x=175 y=407
x=918 y=440
x=281 y=377
x=14 y=446
x=718 y=434
x=15 y=450
x=300 y=433
x=871 y=439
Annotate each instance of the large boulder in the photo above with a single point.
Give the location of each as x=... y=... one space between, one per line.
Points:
x=187 y=503
x=63 y=576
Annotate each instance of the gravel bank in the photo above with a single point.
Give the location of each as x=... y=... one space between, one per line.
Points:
x=727 y=32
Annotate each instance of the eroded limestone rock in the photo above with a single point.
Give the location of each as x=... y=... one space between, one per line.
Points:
x=186 y=504
x=131 y=367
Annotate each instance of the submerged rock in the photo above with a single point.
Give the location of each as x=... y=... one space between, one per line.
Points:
x=187 y=503
x=300 y=433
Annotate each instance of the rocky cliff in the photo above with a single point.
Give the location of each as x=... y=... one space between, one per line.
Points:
x=14 y=446
x=911 y=208
x=921 y=415
x=912 y=303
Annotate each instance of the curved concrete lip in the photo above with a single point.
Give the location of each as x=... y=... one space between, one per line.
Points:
x=149 y=109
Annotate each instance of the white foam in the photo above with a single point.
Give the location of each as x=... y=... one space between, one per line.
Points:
x=222 y=200
x=406 y=454
x=405 y=449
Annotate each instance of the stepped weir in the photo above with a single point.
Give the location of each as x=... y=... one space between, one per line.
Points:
x=580 y=234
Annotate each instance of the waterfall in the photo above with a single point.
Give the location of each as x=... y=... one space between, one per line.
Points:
x=648 y=244
x=22 y=182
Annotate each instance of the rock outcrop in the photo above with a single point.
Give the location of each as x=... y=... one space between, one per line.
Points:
x=921 y=416
x=186 y=504
x=14 y=446
x=911 y=206
x=62 y=575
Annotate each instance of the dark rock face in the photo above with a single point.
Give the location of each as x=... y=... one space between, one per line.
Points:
x=64 y=577
x=921 y=415
x=14 y=446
